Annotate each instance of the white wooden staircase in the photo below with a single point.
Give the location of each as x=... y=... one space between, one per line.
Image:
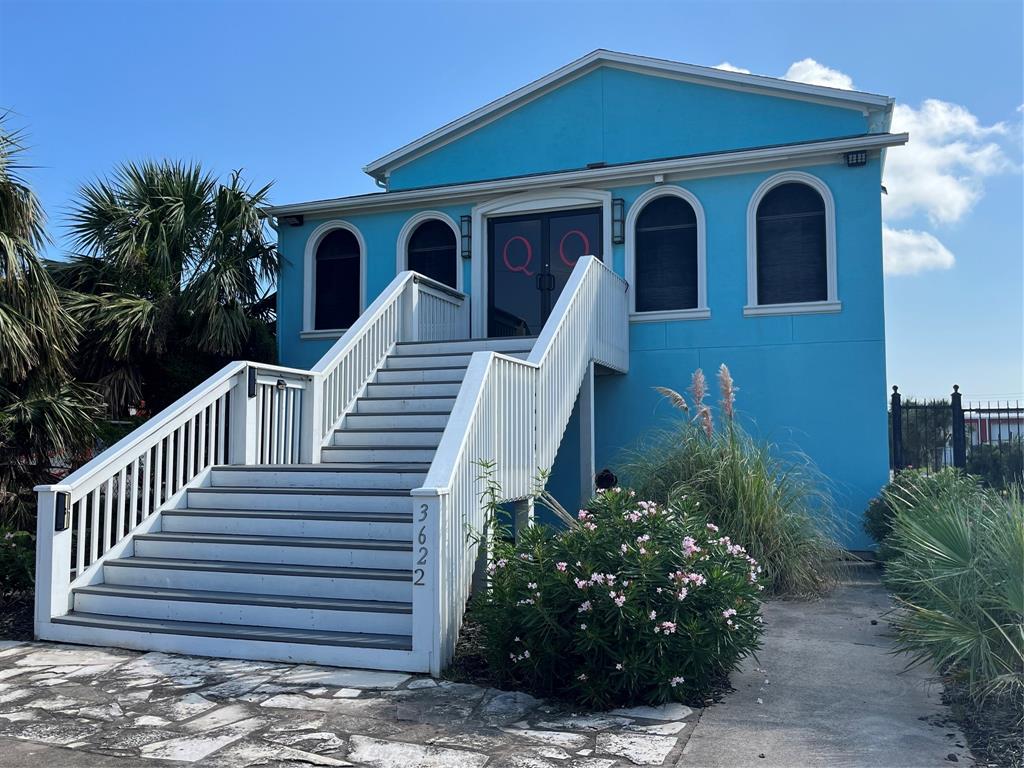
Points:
x=292 y=515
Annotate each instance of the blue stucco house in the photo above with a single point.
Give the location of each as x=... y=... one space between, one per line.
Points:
x=743 y=211
x=524 y=279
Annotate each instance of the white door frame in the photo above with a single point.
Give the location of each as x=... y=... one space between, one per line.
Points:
x=527 y=202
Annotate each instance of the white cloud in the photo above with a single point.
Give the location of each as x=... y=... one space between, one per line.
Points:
x=731 y=68
x=811 y=72
x=909 y=251
x=941 y=170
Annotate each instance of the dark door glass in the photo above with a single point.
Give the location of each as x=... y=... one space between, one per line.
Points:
x=432 y=251
x=530 y=260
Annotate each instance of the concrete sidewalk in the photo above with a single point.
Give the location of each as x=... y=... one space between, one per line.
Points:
x=826 y=691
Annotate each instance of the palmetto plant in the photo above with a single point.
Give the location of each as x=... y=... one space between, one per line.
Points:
x=45 y=417
x=172 y=277
x=958 y=574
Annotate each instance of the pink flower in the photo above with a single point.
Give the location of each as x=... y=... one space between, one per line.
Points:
x=676 y=681
x=624 y=548
x=653 y=615
x=666 y=628
x=584 y=607
x=618 y=667
x=712 y=527
x=683 y=592
x=561 y=566
x=583 y=515
x=583 y=627
x=689 y=546
x=728 y=612
x=581 y=676
x=590 y=526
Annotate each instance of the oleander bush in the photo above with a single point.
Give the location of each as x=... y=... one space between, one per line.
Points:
x=777 y=503
x=635 y=603
x=17 y=561
x=957 y=570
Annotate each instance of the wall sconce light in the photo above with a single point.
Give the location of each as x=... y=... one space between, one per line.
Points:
x=293 y=221
x=466 y=231
x=855 y=159
x=618 y=221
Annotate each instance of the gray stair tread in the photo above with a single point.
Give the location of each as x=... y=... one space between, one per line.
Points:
x=343 y=466
x=297 y=514
x=276 y=541
x=364 y=447
x=290 y=490
x=414 y=383
x=280 y=569
x=371 y=430
x=245 y=598
x=399 y=415
x=239 y=631
x=404 y=397
x=456 y=342
x=431 y=368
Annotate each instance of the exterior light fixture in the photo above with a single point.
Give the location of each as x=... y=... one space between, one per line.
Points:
x=466 y=232
x=855 y=159
x=293 y=221
x=618 y=221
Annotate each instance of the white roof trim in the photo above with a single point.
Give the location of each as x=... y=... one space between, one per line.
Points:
x=851 y=99
x=710 y=164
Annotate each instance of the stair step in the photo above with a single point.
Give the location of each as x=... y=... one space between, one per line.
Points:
x=237 y=631
x=422 y=455
x=509 y=344
x=306 y=499
x=414 y=390
x=270 y=522
x=419 y=420
x=387 y=584
x=388 y=437
x=334 y=614
x=442 y=373
x=352 y=468
x=284 y=550
x=425 y=404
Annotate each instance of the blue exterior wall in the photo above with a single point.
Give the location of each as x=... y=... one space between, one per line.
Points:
x=814 y=382
x=595 y=119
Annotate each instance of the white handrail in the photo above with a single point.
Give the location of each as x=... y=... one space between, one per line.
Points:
x=412 y=308
x=512 y=412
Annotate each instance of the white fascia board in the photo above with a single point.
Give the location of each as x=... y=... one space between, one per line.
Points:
x=756 y=83
x=711 y=164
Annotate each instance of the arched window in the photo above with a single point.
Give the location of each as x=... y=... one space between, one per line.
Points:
x=338 y=280
x=791 y=263
x=432 y=251
x=665 y=256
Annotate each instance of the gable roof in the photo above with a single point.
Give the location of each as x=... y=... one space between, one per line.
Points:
x=859 y=100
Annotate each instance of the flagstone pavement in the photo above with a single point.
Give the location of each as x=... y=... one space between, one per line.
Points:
x=825 y=691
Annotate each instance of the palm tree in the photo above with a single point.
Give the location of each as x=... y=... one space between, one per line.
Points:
x=45 y=417
x=172 y=278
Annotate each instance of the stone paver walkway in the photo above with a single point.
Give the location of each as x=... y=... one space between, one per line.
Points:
x=824 y=692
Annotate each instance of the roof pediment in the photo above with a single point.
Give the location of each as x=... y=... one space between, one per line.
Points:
x=864 y=103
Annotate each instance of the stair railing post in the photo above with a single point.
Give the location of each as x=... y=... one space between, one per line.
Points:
x=244 y=419
x=428 y=631
x=311 y=420
x=959 y=433
x=53 y=555
x=896 y=415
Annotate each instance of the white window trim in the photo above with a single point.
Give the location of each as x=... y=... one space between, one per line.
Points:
x=832 y=303
x=701 y=311
x=309 y=329
x=402 y=246
x=528 y=202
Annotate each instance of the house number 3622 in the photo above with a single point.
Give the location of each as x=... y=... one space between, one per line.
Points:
x=421 y=539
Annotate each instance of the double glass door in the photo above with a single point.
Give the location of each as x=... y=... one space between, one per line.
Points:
x=530 y=258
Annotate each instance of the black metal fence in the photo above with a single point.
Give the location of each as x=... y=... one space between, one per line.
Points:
x=986 y=439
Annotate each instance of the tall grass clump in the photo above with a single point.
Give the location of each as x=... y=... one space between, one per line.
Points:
x=779 y=506
x=957 y=570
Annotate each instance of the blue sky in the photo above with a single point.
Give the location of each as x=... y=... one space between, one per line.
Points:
x=306 y=93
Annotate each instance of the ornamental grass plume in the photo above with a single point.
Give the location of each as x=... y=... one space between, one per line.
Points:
x=777 y=503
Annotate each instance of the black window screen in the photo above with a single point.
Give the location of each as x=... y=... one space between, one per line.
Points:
x=666 y=256
x=432 y=251
x=792 y=265
x=337 y=280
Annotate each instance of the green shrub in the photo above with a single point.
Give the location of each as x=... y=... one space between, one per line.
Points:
x=635 y=603
x=957 y=569
x=17 y=561
x=777 y=505
x=906 y=492
x=998 y=466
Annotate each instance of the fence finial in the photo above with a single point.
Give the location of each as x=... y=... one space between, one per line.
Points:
x=895 y=389
x=956 y=388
